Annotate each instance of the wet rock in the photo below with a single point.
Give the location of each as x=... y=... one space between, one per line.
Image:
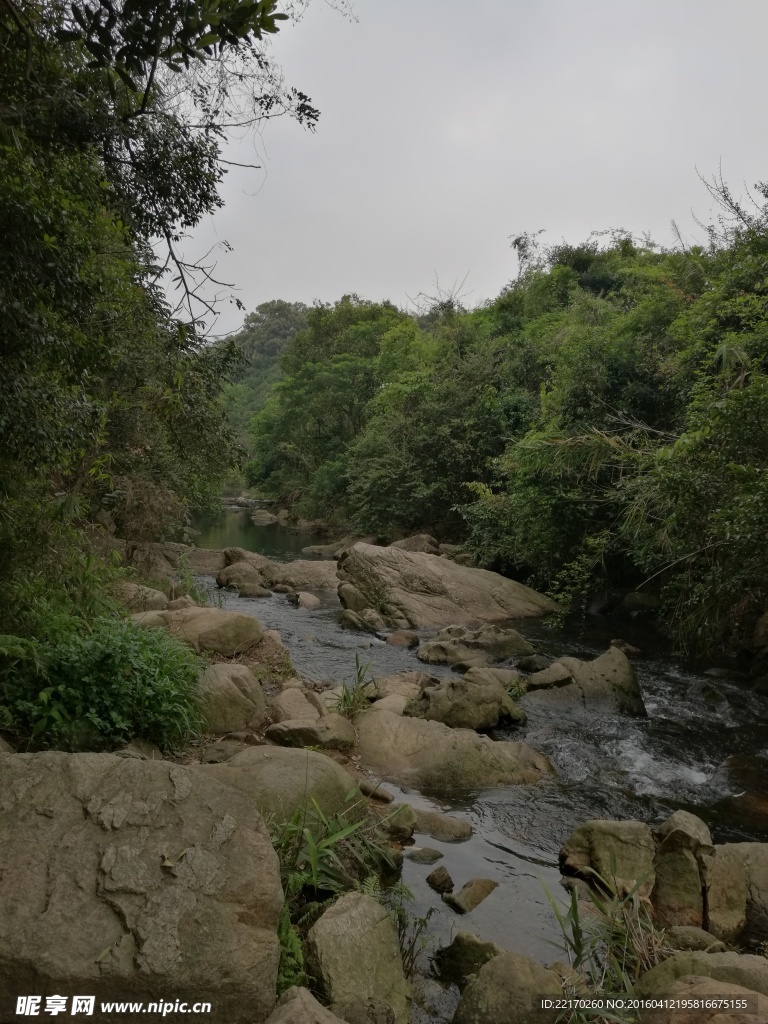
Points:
x=374 y=790
x=280 y=780
x=403 y=638
x=626 y=847
x=299 y=1006
x=299 y=574
x=99 y=890
x=461 y=703
x=331 y=732
x=207 y=629
x=470 y=895
x=681 y=864
x=419 y=542
x=554 y=675
x=354 y=955
x=423 y=855
x=367 y=621
x=534 y=663
x=443 y=827
x=462 y=960
x=508 y=677
x=508 y=990
x=433 y=756
x=606 y=682
x=744 y=969
x=245 y=577
x=404 y=684
x=457 y=645
x=420 y=590
x=440 y=880
x=399 y=821
x=137 y=598
x=290 y=705
x=283 y=588
x=309 y=602
x=682 y=937
x=231 y=698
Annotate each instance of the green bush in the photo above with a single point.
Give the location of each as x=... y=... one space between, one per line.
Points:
x=97 y=687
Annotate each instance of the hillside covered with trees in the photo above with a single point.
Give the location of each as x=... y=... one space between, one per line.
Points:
x=603 y=421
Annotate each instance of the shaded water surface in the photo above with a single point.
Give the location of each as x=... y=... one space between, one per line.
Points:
x=703 y=747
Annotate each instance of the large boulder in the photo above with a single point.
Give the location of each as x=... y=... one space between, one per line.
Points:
x=458 y=645
x=433 y=756
x=134 y=879
x=207 y=629
x=737 y=892
x=245 y=576
x=744 y=969
x=207 y=561
x=402 y=684
x=354 y=956
x=137 y=598
x=681 y=864
x=292 y=705
x=299 y=1006
x=462 y=703
x=232 y=698
x=608 y=682
x=620 y=852
x=301 y=574
x=281 y=780
x=331 y=732
x=508 y=989
x=418 y=542
x=412 y=589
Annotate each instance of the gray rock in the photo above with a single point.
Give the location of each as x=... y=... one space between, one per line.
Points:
x=232 y=698
x=683 y=855
x=206 y=560
x=331 y=732
x=470 y=895
x=442 y=827
x=423 y=855
x=745 y=969
x=374 y=790
x=243 y=575
x=626 y=847
x=217 y=753
x=403 y=638
x=462 y=960
x=5 y=746
x=299 y=1006
x=457 y=645
x=683 y=937
x=280 y=780
x=419 y=542
x=440 y=880
x=461 y=703
x=508 y=990
x=418 y=590
x=433 y=756
x=606 y=682
x=553 y=675
x=354 y=955
x=534 y=663
x=403 y=684
x=307 y=601
x=399 y=822
x=100 y=887
x=142 y=749
x=207 y=629
x=292 y=705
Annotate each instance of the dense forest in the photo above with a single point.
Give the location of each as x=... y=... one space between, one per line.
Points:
x=603 y=422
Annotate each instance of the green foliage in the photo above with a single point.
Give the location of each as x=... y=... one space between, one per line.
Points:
x=610 y=946
x=357 y=697
x=97 y=687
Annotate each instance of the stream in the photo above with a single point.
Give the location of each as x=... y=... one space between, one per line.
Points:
x=703 y=747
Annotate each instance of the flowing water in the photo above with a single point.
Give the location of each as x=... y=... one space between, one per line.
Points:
x=703 y=747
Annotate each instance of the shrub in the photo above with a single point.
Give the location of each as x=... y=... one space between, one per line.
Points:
x=97 y=687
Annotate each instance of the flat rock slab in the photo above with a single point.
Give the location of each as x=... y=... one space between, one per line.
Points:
x=332 y=732
x=423 y=591
x=106 y=861
x=470 y=895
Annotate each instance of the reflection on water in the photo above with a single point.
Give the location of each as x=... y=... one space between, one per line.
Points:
x=608 y=765
x=235 y=529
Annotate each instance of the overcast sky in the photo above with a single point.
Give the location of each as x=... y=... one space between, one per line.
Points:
x=447 y=126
